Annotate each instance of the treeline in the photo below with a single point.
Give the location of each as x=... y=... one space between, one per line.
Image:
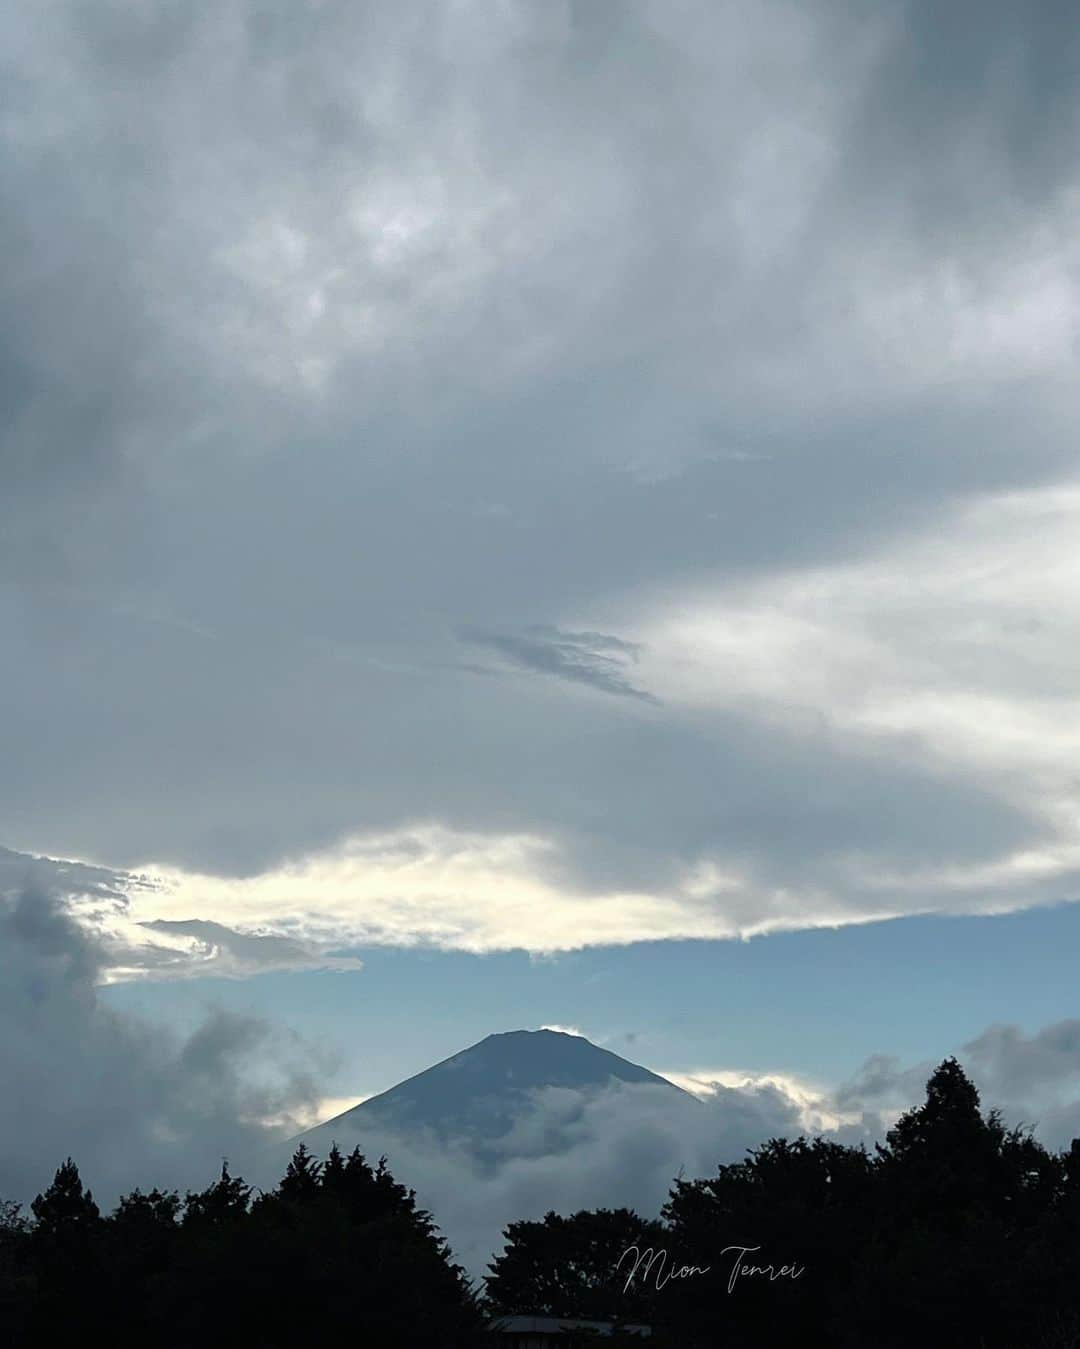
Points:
x=337 y=1253
x=954 y=1232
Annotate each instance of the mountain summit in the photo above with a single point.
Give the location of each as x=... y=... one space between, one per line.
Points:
x=479 y=1094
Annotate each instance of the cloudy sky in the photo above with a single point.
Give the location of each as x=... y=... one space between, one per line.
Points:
x=502 y=503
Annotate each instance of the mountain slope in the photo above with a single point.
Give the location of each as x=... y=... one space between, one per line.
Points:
x=481 y=1093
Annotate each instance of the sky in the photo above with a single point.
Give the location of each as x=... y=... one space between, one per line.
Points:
x=519 y=514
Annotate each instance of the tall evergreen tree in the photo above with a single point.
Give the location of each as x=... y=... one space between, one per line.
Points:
x=65 y=1206
x=301 y=1180
x=220 y=1204
x=67 y=1260
x=333 y=1173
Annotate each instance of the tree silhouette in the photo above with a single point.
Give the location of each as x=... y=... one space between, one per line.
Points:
x=333 y=1172
x=571 y=1267
x=15 y=1277
x=955 y=1231
x=221 y=1204
x=301 y=1181
x=333 y=1251
x=65 y=1206
x=959 y=1199
x=67 y=1258
x=942 y=1157
x=12 y=1223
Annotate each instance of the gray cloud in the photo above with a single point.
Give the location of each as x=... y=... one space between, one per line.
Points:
x=219 y=950
x=132 y=1102
x=1033 y=1078
x=405 y=326
x=879 y=1083
x=19 y=871
x=592 y=658
x=101 y=900
x=1019 y=1064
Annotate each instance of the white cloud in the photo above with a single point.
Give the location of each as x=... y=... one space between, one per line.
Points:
x=422 y=887
x=814 y=1109
x=622 y=1146
x=955 y=652
x=325 y=1108
x=427 y=885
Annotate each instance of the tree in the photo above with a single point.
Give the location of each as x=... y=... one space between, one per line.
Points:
x=65 y=1258
x=798 y=1210
x=65 y=1206
x=225 y=1202
x=11 y=1220
x=570 y=1266
x=333 y=1172
x=158 y=1209
x=959 y=1202
x=15 y=1287
x=301 y=1180
x=143 y=1231
x=333 y=1252
x=367 y=1193
x=946 y=1164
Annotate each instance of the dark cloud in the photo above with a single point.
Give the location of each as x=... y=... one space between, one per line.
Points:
x=970 y=105
x=405 y=326
x=19 y=871
x=1017 y=1066
x=592 y=658
x=133 y=1103
x=220 y=950
x=101 y=899
x=876 y=1083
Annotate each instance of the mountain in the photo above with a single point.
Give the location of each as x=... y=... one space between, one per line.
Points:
x=481 y=1094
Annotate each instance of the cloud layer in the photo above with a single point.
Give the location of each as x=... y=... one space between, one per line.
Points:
x=625 y=1146
x=538 y=475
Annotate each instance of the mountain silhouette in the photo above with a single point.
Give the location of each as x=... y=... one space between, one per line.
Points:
x=481 y=1094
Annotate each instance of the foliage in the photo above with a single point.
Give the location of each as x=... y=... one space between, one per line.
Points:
x=336 y=1253
x=954 y=1231
x=571 y=1267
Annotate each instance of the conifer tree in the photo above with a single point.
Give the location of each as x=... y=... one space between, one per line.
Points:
x=65 y=1206
x=224 y=1202
x=301 y=1179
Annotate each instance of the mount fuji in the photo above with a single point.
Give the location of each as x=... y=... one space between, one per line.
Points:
x=482 y=1096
